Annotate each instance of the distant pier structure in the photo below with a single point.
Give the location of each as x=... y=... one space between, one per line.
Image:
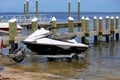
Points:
x=107 y=28
x=43 y=19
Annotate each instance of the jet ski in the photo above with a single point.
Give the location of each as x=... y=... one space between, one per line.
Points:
x=44 y=42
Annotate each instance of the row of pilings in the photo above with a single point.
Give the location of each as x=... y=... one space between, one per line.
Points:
x=108 y=28
x=26 y=9
x=110 y=32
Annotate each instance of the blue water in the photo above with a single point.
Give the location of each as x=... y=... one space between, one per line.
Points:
x=62 y=16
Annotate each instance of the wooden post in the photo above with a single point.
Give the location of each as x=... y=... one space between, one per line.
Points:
x=24 y=8
x=117 y=27
x=95 y=23
x=53 y=21
x=34 y=24
x=112 y=27
x=27 y=5
x=100 y=28
x=83 y=28
x=16 y=44
x=15 y=26
x=107 y=28
x=36 y=8
x=95 y=29
x=87 y=20
x=78 y=10
x=78 y=14
x=1 y=18
x=12 y=35
x=69 y=8
x=70 y=24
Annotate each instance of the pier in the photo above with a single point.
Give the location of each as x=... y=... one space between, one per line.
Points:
x=59 y=24
x=110 y=30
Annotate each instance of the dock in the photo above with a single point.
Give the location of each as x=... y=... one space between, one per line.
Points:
x=59 y=24
x=111 y=31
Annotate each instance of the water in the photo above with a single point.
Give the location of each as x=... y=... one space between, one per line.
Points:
x=102 y=61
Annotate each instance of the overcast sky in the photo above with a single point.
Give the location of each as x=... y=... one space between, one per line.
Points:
x=61 y=5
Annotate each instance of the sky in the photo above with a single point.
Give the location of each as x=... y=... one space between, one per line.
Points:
x=61 y=5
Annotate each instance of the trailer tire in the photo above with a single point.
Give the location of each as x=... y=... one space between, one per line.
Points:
x=18 y=56
x=74 y=57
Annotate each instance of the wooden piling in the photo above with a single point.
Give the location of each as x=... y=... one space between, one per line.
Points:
x=16 y=44
x=27 y=6
x=107 y=28
x=12 y=35
x=117 y=27
x=95 y=29
x=78 y=14
x=87 y=24
x=83 y=28
x=24 y=8
x=34 y=24
x=53 y=21
x=112 y=28
x=95 y=23
x=1 y=18
x=15 y=26
x=69 y=8
x=36 y=8
x=78 y=10
x=83 y=24
x=107 y=22
x=100 y=28
x=70 y=25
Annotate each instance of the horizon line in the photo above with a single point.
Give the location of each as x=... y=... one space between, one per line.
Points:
x=65 y=12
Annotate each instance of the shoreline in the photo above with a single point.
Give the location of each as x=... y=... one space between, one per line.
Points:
x=16 y=74
x=10 y=73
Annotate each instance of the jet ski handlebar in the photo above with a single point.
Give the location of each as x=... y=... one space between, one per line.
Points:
x=49 y=28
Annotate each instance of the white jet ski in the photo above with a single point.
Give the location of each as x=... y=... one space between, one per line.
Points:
x=43 y=42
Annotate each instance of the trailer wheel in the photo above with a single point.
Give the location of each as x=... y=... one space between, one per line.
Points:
x=74 y=57
x=18 y=56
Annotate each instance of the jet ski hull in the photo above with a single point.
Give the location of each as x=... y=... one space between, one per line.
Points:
x=43 y=49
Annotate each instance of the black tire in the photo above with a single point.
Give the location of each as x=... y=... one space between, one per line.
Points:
x=74 y=58
x=20 y=58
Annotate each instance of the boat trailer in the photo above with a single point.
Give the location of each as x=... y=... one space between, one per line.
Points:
x=19 y=54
